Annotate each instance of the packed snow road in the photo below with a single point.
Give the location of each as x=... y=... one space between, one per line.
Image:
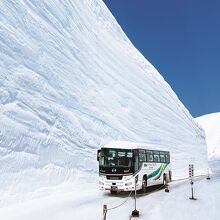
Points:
x=86 y=204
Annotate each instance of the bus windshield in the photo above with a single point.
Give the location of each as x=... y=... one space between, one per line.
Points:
x=115 y=157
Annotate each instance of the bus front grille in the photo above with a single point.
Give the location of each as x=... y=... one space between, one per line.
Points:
x=114 y=177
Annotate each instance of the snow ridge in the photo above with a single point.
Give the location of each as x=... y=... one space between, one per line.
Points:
x=70 y=81
x=211 y=125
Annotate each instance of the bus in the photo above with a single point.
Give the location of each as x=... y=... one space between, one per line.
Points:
x=122 y=164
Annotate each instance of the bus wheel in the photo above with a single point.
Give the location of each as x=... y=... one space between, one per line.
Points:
x=164 y=179
x=144 y=184
x=113 y=192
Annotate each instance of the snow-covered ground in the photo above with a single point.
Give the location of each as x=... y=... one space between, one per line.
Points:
x=70 y=80
x=211 y=125
x=85 y=203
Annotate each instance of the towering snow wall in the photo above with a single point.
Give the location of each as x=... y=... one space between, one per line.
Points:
x=211 y=125
x=70 y=80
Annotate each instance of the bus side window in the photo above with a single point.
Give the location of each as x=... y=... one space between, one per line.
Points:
x=162 y=157
x=156 y=157
x=142 y=156
x=150 y=157
x=167 y=157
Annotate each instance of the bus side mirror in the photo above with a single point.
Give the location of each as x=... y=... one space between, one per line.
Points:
x=98 y=153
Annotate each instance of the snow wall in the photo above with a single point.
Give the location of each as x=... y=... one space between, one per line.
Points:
x=70 y=81
x=211 y=125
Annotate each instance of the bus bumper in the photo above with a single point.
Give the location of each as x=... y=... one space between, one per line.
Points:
x=126 y=184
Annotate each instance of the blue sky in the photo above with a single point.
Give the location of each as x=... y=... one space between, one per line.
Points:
x=181 y=38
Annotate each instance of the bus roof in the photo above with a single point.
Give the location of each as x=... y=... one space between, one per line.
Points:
x=132 y=145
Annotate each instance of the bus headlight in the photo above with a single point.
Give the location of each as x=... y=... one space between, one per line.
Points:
x=101 y=183
x=128 y=184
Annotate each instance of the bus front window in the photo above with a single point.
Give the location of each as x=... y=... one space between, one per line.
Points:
x=115 y=158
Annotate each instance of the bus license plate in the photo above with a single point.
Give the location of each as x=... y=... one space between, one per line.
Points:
x=114 y=188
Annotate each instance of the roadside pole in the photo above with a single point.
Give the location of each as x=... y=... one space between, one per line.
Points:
x=208 y=176
x=191 y=174
x=104 y=211
x=135 y=212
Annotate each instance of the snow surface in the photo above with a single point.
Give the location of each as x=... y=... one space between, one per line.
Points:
x=211 y=125
x=70 y=81
x=75 y=203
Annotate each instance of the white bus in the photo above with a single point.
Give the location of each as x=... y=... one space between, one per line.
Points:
x=123 y=163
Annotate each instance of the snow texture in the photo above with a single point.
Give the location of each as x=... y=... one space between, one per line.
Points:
x=211 y=125
x=85 y=204
x=70 y=81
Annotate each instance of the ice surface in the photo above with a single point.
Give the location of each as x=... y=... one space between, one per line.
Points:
x=211 y=125
x=70 y=81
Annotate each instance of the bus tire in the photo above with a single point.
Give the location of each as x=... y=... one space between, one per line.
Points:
x=164 y=179
x=144 y=183
x=113 y=192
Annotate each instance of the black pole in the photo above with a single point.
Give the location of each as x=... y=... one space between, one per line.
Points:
x=135 y=213
x=192 y=198
x=208 y=177
x=135 y=197
x=104 y=211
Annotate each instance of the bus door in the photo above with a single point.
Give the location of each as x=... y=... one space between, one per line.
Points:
x=136 y=161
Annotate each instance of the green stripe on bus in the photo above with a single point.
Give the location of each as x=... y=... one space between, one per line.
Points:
x=161 y=171
x=157 y=173
x=154 y=173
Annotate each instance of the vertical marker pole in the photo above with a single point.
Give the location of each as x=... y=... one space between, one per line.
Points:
x=135 y=213
x=191 y=174
x=208 y=177
x=104 y=211
x=135 y=196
